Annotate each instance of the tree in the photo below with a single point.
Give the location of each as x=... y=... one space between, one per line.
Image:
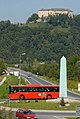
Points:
x=62 y=20
x=76 y=21
x=3 y=66
x=74 y=67
x=33 y=18
x=42 y=41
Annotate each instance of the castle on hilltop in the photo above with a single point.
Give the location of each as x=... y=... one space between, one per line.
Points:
x=54 y=11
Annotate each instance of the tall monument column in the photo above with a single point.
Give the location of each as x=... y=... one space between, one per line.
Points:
x=63 y=78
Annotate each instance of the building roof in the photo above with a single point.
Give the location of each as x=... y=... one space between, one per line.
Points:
x=56 y=9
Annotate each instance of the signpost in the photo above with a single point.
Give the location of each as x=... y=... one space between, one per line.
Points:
x=8 y=101
x=20 y=67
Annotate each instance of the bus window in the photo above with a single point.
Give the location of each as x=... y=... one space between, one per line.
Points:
x=15 y=89
x=28 y=89
x=33 y=89
x=20 y=89
x=56 y=89
x=12 y=90
x=43 y=89
x=47 y=90
x=51 y=89
x=36 y=89
x=40 y=89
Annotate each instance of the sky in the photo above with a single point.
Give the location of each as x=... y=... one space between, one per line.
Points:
x=20 y=10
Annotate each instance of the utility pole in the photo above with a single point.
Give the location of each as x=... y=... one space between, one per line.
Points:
x=20 y=59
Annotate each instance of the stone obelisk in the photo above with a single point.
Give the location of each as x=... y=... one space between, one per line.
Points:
x=63 y=77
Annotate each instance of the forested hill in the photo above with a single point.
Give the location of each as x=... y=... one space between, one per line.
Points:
x=44 y=41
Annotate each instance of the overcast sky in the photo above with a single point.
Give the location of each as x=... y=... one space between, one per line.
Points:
x=20 y=10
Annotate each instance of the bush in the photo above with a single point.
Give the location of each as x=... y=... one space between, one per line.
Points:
x=62 y=103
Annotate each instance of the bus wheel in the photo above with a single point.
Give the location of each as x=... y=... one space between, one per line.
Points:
x=22 y=97
x=49 y=97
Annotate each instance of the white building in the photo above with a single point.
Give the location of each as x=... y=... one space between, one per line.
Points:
x=55 y=11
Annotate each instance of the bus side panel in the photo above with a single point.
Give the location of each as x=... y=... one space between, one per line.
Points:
x=27 y=95
x=41 y=95
x=34 y=95
x=55 y=94
x=13 y=95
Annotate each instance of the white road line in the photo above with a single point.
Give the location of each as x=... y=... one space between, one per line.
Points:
x=27 y=80
x=3 y=80
x=58 y=117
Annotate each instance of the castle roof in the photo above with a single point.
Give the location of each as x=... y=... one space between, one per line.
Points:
x=56 y=9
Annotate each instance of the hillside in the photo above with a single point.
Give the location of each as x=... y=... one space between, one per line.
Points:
x=42 y=41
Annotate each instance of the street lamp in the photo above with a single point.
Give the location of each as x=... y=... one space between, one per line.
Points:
x=20 y=66
x=21 y=57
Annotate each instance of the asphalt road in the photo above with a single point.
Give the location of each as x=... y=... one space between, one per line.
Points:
x=56 y=113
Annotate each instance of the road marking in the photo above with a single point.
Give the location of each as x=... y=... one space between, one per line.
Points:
x=58 y=117
x=3 y=80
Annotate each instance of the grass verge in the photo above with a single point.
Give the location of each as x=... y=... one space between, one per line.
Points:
x=41 y=105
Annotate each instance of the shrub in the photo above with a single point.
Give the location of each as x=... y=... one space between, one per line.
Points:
x=62 y=103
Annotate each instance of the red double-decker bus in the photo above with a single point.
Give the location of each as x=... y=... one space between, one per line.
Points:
x=33 y=91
